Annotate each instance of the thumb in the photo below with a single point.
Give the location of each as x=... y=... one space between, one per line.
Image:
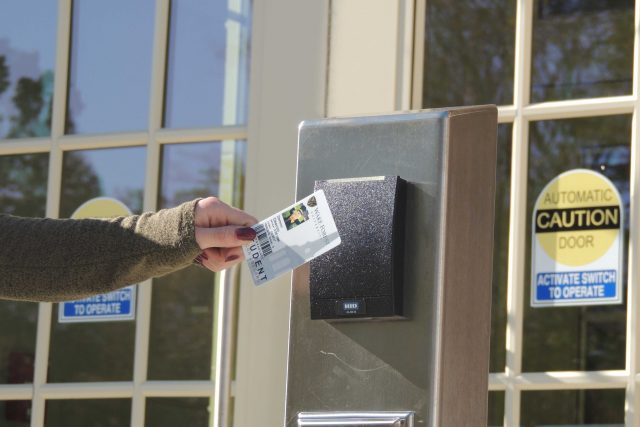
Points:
x=228 y=236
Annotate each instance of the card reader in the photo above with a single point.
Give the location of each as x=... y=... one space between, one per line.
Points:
x=361 y=278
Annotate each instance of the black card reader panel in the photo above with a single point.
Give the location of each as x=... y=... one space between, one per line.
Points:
x=362 y=277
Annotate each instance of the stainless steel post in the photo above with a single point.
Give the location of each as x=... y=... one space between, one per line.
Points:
x=434 y=364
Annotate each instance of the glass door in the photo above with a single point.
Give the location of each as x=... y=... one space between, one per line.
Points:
x=565 y=77
x=146 y=104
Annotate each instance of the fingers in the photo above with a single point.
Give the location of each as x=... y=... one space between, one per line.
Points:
x=239 y=217
x=221 y=230
x=217 y=259
x=224 y=237
x=211 y=212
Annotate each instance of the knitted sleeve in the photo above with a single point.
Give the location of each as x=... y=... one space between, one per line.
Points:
x=66 y=259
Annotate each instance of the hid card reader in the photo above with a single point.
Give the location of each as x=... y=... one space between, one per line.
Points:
x=361 y=278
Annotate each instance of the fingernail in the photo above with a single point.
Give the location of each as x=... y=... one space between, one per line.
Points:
x=203 y=255
x=246 y=233
x=231 y=258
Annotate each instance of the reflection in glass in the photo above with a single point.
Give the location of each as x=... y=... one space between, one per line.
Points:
x=189 y=171
x=207 y=64
x=27 y=61
x=581 y=49
x=106 y=347
x=171 y=412
x=468 y=57
x=15 y=413
x=501 y=250
x=109 y=74
x=576 y=338
x=573 y=408
x=495 y=415
x=23 y=184
x=88 y=412
x=182 y=306
x=111 y=172
x=23 y=192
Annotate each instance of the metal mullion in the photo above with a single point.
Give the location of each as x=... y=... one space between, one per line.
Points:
x=498 y=382
x=507 y=113
x=177 y=388
x=518 y=211
x=25 y=146
x=632 y=404
x=176 y=136
x=580 y=108
x=16 y=392
x=143 y=318
x=572 y=380
x=109 y=390
x=562 y=380
x=54 y=180
x=99 y=390
x=113 y=140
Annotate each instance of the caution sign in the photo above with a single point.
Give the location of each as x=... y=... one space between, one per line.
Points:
x=116 y=305
x=577 y=241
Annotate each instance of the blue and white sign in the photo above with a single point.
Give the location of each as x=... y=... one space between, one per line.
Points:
x=577 y=242
x=116 y=305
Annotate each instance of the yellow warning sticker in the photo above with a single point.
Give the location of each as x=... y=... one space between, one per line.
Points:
x=577 y=241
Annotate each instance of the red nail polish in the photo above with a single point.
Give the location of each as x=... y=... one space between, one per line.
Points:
x=245 y=233
x=231 y=258
x=204 y=255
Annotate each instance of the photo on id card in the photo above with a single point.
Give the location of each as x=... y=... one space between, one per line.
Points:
x=291 y=237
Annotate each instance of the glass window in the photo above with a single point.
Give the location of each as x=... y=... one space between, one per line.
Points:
x=15 y=413
x=171 y=412
x=110 y=70
x=573 y=408
x=581 y=49
x=23 y=184
x=27 y=62
x=501 y=250
x=106 y=347
x=495 y=415
x=206 y=65
x=590 y=337
x=88 y=412
x=182 y=306
x=468 y=52
x=110 y=172
x=23 y=192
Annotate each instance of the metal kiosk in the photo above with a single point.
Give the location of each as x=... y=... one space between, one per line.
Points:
x=429 y=368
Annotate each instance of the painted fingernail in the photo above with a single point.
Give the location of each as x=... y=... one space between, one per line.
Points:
x=231 y=258
x=203 y=255
x=246 y=233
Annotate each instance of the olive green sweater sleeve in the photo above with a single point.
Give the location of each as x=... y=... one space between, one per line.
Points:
x=66 y=259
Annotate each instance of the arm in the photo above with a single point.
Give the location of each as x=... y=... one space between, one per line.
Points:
x=65 y=259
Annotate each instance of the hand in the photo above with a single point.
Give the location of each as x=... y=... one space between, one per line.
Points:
x=221 y=230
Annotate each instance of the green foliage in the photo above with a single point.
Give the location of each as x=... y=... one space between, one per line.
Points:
x=4 y=74
x=81 y=183
x=23 y=184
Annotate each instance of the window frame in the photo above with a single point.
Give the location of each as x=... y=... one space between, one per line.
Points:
x=218 y=387
x=513 y=381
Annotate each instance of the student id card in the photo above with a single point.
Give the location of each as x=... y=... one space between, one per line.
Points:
x=291 y=237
